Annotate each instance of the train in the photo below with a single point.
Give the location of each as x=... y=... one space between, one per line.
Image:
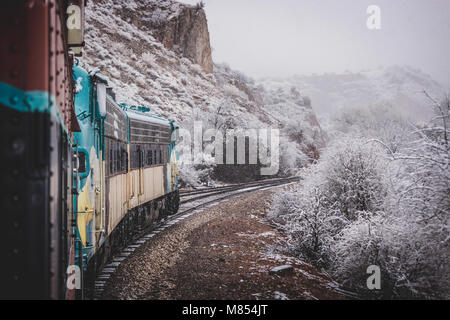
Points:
x=82 y=174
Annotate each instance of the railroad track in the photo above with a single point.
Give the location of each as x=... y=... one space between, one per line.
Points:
x=231 y=186
x=192 y=200
x=188 y=196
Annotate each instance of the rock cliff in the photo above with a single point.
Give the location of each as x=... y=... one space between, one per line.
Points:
x=187 y=34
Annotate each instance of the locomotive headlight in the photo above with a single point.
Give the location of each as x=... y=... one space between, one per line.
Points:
x=80 y=162
x=101 y=99
x=75 y=163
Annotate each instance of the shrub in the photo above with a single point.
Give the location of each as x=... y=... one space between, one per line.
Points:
x=362 y=205
x=412 y=263
x=354 y=177
x=346 y=184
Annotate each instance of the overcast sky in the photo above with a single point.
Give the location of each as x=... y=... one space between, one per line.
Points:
x=284 y=37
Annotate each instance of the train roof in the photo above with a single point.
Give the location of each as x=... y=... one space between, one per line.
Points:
x=133 y=112
x=143 y=114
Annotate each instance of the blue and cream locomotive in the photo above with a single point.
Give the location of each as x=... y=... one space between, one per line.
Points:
x=126 y=169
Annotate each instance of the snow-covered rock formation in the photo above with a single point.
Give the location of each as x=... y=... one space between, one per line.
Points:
x=157 y=53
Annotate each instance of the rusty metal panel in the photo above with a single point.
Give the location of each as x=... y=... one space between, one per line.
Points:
x=60 y=70
x=52 y=50
x=62 y=67
x=34 y=54
x=34 y=57
x=24 y=49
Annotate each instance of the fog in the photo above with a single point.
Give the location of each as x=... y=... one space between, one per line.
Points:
x=284 y=37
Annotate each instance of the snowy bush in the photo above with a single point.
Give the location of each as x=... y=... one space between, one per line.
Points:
x=354 y=177
x=191 y=175
x=412 y=260
x=380 y=121
x=356 y=247
x=310 y=226
x=346 y=184
x=149 y=58
x=420 y=200
x=366 y=204
x=284 y=207
x=197 y=69
x=158 y=17
x=291 y=158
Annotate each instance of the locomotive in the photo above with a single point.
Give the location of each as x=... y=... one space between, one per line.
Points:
x=126 y=175
x=81 y=174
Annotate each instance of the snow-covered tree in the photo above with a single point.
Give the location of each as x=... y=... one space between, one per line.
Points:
x=375 y=200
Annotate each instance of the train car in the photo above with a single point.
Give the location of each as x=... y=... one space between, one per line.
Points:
x=81 y=174
x=37 y=122
x=127 y=174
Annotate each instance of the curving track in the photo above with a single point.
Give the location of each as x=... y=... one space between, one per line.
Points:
x=198 y=194
x=190 y=201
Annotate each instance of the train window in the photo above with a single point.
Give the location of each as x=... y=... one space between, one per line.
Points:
x=144 y=155
x=135 y=156
x=117 y=157
x=149 y=157
x=81 y=162
x=140 y=157
x=114 y=158
x=111 y=168
x=124 y=159
x=111 y=159
x=132 y=156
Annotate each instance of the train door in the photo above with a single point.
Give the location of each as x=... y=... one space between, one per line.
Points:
x=134 y=175
x=99 y=175
x=141 y=174
x=97 y=183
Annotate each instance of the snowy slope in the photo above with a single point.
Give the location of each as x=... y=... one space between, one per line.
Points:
x=143 y=72
x=121 y=40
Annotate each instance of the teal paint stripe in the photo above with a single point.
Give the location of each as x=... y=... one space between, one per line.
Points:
x=29 y=101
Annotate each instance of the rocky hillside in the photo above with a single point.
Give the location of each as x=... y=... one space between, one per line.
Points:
x=180 y=28
x=123 y=40
x=157 y=53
